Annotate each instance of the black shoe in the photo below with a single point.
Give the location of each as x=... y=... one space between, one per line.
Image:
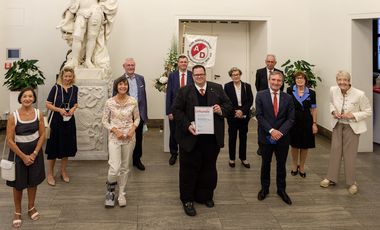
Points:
x=139 y=165
x=173 y=159
x=189 y=209
x=262 y=194
x=294 y=173
x=284 y=197
x=247 y=165
x=258 y=152
x=303 y=175
x=231 y=164
x=210 y=203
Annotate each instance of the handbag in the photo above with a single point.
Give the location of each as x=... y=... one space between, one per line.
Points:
x=8 y=168
x=47 y=120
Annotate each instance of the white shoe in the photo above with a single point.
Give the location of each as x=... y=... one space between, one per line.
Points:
x=122 y=201
x=353 y=189
x=326 y=183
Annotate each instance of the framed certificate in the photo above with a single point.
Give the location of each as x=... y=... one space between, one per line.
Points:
x=204 y=119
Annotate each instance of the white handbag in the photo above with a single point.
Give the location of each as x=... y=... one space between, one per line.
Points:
x=8 y=168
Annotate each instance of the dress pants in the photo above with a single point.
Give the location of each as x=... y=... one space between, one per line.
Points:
x=236 y=125
x=343 y=142
x=120 y=159
x=281 y=152
x=137 y=152
x=197 y=171
x=173 y=145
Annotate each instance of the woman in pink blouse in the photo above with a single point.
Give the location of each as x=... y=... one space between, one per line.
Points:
x=121 y=117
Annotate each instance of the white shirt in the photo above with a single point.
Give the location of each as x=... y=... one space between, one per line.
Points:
x=198 y=88
x=278 y=97
x=238 y=94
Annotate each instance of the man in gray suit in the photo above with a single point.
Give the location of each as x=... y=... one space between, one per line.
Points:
x=137 y=90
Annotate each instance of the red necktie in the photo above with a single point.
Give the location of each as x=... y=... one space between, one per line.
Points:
x=182 y=80
x=202 y=92
x=275 y=104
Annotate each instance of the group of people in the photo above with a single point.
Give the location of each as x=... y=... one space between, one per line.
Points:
x=283 y=119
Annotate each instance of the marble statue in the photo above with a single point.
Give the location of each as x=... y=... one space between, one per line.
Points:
x=86 y=26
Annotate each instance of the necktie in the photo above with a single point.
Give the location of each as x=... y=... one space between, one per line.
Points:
x=202 y=92
x=275 y=104
x=182 y=80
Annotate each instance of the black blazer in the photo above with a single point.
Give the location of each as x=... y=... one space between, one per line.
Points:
x=183 y=111
x=266 y=119
x=261 y=82
x=246 y=97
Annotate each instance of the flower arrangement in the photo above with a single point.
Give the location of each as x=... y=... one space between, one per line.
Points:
x=24 y=73
x=169 y=66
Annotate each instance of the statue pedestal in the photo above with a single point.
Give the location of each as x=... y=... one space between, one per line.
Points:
x=91 y=136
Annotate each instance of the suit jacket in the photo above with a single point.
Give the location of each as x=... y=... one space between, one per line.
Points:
x=266 y=119
x=143 y=109
x=183 y=110
x=356 y=103
x=246 y=97
x=261 y=82
x=173 y=87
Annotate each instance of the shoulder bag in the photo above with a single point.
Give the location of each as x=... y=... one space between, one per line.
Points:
x=8 y=168
x=47 y=120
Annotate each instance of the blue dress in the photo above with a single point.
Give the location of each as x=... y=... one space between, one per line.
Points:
x=301 y=134
x=63 y=136
x=26 y=138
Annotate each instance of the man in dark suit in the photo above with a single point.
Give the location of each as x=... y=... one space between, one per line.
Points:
x=261 y=82
x=137 y=90
x=177 y=80
x=198 y=152
x=275 y=117
x=240 y=94
x=262 y=75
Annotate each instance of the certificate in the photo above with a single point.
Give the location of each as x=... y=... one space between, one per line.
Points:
x=204 y=119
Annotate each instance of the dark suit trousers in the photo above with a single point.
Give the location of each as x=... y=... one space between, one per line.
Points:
x=281 y=152
x=173 y=145
x=234 y=126
x=137 y=152
x=197 y=171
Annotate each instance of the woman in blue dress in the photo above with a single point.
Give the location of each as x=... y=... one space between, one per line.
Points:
x=305 y=126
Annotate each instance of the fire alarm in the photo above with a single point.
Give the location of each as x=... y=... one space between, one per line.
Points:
x=7 y=65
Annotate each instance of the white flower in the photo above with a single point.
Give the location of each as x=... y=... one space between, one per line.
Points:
x=163 y=80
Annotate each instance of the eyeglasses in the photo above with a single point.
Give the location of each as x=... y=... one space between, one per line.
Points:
x=300 y=78
x=199 y=75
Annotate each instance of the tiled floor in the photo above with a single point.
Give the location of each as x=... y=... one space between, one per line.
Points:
x=153 y=197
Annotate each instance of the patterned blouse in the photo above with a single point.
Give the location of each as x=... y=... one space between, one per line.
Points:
x=121 y=117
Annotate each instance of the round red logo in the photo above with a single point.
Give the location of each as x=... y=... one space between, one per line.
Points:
x=199 y=51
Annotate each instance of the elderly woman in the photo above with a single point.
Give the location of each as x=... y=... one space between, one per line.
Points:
x=121 y=117
x=240 y=94
x=25 y=137
x=62 y=101
x=305 y=126
x=349 y=108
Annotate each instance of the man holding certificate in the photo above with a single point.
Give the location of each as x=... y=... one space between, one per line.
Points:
x=199 y=112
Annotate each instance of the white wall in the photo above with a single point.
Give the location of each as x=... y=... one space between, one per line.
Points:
x=318 y=31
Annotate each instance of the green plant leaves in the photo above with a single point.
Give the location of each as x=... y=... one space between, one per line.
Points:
x=24 y=73
x=297 y=66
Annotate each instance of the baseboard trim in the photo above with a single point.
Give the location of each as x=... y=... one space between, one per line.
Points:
x=324 y=132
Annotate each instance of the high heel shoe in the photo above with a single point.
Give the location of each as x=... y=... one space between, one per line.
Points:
x=294 y=173
x=302 y=174
x=65 y=179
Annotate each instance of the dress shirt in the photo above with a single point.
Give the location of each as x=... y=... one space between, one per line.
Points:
x=132 y=83
x=278 y=97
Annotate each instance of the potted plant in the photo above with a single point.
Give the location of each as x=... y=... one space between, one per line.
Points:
x=23 y=73
x=169 y=66
x=303 y=66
